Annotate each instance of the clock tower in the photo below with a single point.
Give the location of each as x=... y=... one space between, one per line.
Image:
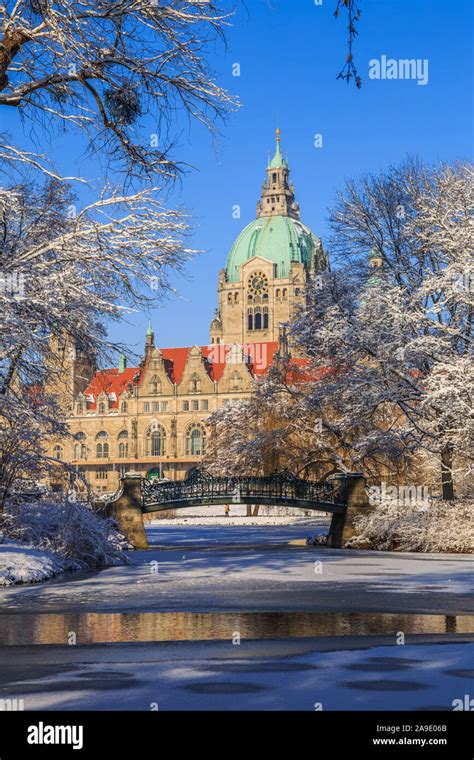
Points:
x=269 y=266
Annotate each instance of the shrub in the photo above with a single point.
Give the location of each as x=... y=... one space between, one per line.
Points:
x=441 y=526
x=72 y=530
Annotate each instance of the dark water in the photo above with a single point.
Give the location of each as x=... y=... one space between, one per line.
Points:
x=95 y=628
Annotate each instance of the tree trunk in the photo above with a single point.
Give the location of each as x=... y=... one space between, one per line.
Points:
x=447 y=473
x=9 y=47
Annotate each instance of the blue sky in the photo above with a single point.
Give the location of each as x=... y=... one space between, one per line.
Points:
x=290 y=52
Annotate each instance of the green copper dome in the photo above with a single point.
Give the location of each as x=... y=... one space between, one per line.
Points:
x=280 y=239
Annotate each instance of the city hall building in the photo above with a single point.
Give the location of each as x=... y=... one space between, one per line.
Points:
x=152 y=418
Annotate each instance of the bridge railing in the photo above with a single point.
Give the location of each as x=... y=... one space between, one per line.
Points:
x=200 y=485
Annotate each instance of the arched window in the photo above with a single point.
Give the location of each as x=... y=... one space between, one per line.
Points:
x=250 y=298
x=58 y=452
x=102 y=449
x=265 y=318
x=265 y=296
x=102 y=407
x=156 y=443
x=258 y=321
x=196 y=440
x=277 y=293
x=123 y=444
x=249 y=319
x=79 y=408
x=79 y=451
x=80 y=448
x=297 y=291
x=284 y=293
x=236 y=298
x=123 y=407
x=229 y=298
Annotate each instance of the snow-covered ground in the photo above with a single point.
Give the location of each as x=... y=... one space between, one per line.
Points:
x=20 y=563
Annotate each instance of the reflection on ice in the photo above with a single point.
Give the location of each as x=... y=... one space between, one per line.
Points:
x=93 y=628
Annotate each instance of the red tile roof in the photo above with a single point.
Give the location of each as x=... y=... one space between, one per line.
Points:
x=259 y=357
x=110 y=381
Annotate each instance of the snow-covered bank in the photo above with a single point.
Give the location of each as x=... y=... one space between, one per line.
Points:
x=42 y=539
x=20 y=563
x=440 y=526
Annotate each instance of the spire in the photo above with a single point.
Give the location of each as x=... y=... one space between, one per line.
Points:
x=278 y=162
x=278 y=196
x=122 y=362
x=150 y=338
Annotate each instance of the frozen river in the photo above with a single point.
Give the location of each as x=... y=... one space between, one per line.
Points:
x=244 y=617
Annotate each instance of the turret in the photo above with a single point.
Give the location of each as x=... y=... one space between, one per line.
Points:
x=69 y=369
x=375 y=268
x=150 y=339
x=122 y=362
x=278 y=195
x=216 y=328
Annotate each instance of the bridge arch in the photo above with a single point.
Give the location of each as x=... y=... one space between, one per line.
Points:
x=344 y=496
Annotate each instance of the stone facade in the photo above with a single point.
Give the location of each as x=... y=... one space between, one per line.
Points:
x=276 y=304
x=151 y=419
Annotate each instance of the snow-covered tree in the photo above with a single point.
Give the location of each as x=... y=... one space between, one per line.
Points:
x=400 y=347
x=65 y=272
x=101 y=66
x=275 y=430
x=62 y=273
